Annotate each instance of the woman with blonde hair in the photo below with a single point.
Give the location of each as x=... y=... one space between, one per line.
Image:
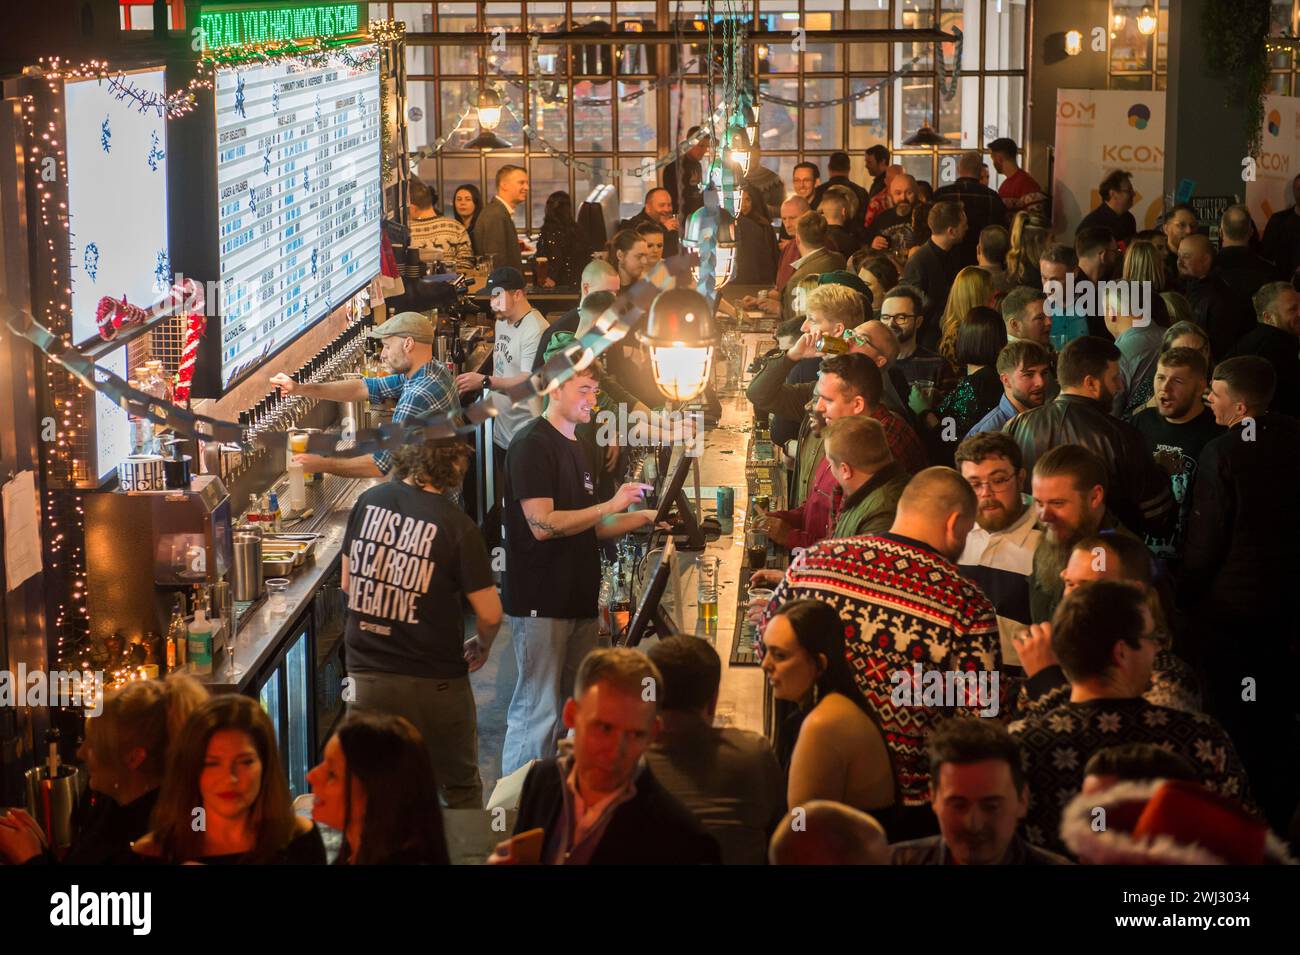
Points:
x=1143 y=262
x=973 y=286
x=125 y=753
x=1030 y=235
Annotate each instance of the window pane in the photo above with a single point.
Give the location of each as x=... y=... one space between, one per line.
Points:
x=823 y=127
x=458 y=18
x=632 y=187
x=1004 y=37
x=868 y=56
x=965 y=16
x=592 y=60
x=693 y=111
x=780 y=18
x=457 y=96
x=505 y=15
x=920 y=166
x=545 y=176
x=913 y=106
x=780 y=123
x=549 y=18
x=1131 y=82
x=419 y=60
x=420 y=106
x=636 y=17
x=823 y=15
x=1130 y=50
x=593 y=126
x=1004 y=108
x=689 y=17
x=636 y=119
x=909 y=17
x=1162 y=37
x=1281 y=23
x=1280 y=83
x=418 y=17
x=959 y=117
x=867 y=121
x=458 y=171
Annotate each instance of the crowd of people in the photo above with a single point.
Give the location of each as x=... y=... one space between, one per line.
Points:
x=1038 y=546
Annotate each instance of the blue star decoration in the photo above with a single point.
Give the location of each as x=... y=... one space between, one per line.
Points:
x=306 y=179
x=156 y=155
x=105 y=135
x=90 y=259
x=252 y=200
x=313 y=263
x=239 y=95
x=162 y=270
x=266 y=161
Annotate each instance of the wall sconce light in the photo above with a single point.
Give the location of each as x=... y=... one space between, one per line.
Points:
x=1146 y=22
x=1073 y=43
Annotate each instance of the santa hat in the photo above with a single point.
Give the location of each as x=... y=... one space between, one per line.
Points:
x=1167 y=822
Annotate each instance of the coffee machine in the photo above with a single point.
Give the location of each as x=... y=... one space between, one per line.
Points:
x=143 y=547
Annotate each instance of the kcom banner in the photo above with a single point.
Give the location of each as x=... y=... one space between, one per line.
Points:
x=1098 y=131
x=1278 y=162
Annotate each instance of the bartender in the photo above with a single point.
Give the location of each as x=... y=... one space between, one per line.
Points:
x=420 y=384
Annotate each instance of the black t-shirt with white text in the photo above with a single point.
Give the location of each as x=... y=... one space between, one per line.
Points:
x=1187 y=439
x=559 y=577
x=411 y=555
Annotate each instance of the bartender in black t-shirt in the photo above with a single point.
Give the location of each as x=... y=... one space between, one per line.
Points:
x=552 y=577
x=409 y=556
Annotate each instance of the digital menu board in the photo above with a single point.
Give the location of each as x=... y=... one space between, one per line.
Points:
x=299 y=197
x=117 y=211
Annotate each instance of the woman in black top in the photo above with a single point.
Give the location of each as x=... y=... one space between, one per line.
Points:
x=375 y=785
x=466 y=204
x=226 y=772
x=757 y=252
x=980 y=337
x=124 y=754
x=560 y=243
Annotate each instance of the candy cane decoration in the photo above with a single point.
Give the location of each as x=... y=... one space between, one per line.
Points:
x=110 y=315
x=185 y=371
x=185 y=297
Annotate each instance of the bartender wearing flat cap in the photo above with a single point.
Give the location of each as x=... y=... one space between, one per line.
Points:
x=420 y=384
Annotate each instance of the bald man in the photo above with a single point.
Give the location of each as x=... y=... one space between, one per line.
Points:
x=882 y=200
x=1224 y=315
x=901 y=227
x=907 y=610
x=983 y=206
x=828 y=833
x=597 y=276
x=881 y=345
x=1244 y=271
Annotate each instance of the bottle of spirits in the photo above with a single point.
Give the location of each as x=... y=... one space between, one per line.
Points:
x=620 y=606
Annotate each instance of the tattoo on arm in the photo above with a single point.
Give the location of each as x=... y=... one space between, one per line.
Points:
x=550 y=530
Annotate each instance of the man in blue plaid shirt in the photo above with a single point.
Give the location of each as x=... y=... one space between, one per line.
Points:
x=420 y=384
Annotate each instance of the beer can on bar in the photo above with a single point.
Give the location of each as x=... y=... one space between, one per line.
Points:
x=726 y=501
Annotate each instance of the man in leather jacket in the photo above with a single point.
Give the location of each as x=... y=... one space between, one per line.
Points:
x=1088 y=370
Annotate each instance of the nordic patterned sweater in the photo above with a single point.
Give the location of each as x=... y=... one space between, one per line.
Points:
x=903 y=605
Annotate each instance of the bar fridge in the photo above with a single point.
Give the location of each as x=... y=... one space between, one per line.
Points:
x=287 y=696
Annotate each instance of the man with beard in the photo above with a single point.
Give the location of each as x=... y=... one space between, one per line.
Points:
x=899 y=228
x=903 y=312
x=1070 y=500
x=1117 y=196
x=999 y=554
x=1025 y=368
x=1025 y=312
x=1177 y=428
x=1088 y=370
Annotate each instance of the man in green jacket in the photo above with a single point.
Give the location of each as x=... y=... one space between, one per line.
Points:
x=869 y=480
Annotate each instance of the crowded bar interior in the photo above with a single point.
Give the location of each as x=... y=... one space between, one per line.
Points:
x=682 y=432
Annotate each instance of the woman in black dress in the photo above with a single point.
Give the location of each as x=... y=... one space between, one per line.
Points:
x=560 y=243
x=980 y=336
x=226 y=774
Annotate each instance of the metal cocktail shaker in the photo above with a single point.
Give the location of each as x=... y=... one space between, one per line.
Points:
x=246 y=577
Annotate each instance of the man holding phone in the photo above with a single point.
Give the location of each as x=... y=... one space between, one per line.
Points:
x=553 y=525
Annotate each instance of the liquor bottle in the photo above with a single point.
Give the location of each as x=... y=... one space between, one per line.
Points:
x=276 y=517
x=833 y=344
x=178 y=634
x=620 y=605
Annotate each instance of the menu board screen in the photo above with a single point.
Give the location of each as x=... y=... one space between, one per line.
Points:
x=299 y=196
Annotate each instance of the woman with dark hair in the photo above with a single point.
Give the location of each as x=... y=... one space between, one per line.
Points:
x=757 y=251
x=980 y=337
x=225 y=771
x=560 y=243
x=125 y=753
x=839 y=753
x=467 y=203
x=375 y=785
x=878 y=270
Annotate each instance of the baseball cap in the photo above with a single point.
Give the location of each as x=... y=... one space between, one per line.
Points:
x=505 y=277
x=406 y=325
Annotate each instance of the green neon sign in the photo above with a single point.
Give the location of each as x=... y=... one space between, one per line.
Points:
x=228 y=25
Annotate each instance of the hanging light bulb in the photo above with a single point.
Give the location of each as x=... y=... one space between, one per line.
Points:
x=724 y=239
x=489 y=108
x=1117 y=21
x=746 y=118
x=735 y=149
x=680 y=334
x=723 y=178
x=1146 y=22
x=1073 y=43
